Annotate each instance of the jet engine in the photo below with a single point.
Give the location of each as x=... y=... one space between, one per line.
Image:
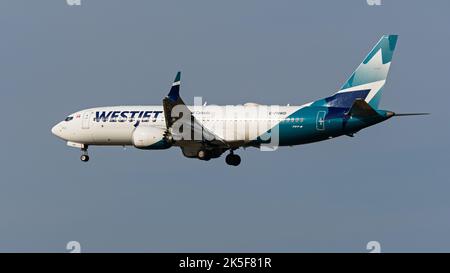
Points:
x=149 y=138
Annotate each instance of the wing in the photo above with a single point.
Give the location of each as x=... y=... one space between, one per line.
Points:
x=181 y=124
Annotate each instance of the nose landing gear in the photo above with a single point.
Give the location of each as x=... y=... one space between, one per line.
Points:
x=84 y=157
x=232 y=159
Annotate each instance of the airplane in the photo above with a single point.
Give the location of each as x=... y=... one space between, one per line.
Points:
x=207 y=131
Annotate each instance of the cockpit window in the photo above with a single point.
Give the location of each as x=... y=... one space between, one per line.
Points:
x=68 y=119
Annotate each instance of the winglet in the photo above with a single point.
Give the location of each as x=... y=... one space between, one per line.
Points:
x=173 y=99
x=174 y=92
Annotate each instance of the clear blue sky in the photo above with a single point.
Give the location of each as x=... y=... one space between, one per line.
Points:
x=390 y=183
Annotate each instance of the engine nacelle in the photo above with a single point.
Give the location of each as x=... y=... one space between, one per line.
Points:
x=148 y=137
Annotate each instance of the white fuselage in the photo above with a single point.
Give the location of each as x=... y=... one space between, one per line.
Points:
x=115 y=125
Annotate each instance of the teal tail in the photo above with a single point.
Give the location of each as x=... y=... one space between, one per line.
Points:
x=368 y=80
x=372 y=73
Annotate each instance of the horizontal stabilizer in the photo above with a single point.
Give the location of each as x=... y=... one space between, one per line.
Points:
x=360 y=108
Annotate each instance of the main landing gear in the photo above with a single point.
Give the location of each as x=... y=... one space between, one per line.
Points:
x=84 y=157
x=232 y=159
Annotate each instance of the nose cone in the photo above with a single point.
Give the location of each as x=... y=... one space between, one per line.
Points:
x=57 y=130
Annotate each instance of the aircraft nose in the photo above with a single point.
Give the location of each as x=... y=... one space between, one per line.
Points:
x=57 y=130
x=54 y=129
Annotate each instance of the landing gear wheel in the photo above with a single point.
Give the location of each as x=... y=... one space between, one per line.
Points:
x=229 y=159
x=236 y=160
x=84 y=153
x=233 y=160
